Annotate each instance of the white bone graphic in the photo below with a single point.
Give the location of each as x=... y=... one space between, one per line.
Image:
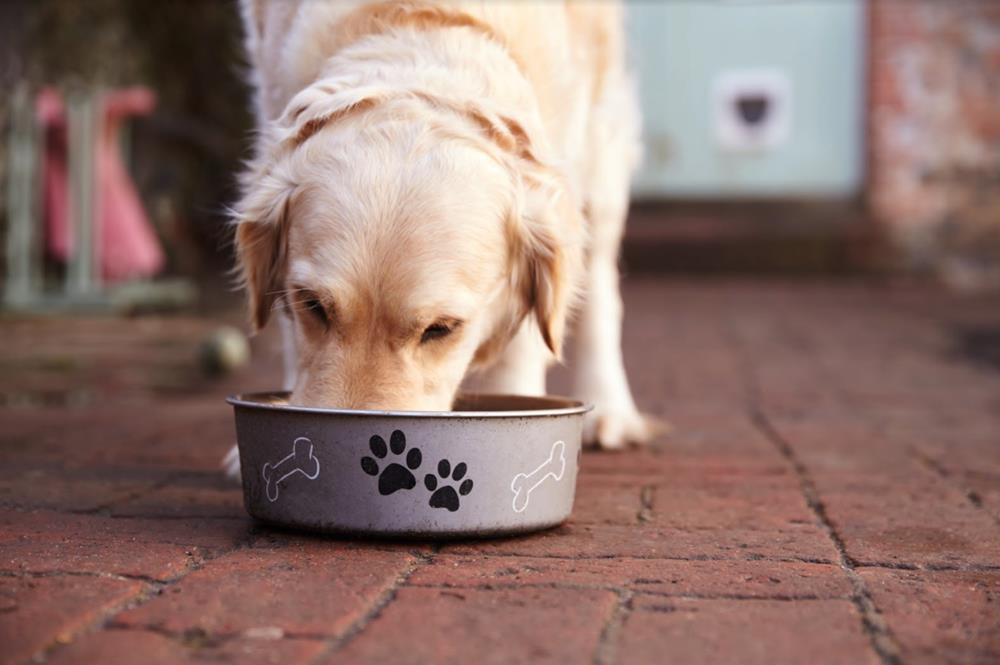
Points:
x=524 y=484
x=300 y=460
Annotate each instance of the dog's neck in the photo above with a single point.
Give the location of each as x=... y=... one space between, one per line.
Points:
x=418 y=43
x=454 y=63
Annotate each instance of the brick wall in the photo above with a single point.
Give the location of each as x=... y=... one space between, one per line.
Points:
x=935 y=133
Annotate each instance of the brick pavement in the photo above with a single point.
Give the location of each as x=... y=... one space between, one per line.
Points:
x=831 y=493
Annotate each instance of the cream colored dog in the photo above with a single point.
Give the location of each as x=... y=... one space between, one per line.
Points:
x=435 y=186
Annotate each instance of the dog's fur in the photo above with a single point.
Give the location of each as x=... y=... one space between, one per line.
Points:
x=434 y=185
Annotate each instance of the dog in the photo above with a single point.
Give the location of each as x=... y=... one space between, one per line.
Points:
x=435 y=188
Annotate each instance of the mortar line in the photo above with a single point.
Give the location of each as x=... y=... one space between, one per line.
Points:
x=871 y=619
x=61 y=641
x=213 y=638
x=128 y=496
x=645 y=513
x=607 y=644
x=150 y=590
x=640 y=557
x=932 y=567
x=375 y=609
x=874 y=627
x=918 y=313
x=177 y=516
x=633 y=590
x=936 y=468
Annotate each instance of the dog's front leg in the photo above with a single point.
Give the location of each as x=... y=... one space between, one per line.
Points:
x=521 y=368
x=598 y=369
x=289 y=357
x=289 y=352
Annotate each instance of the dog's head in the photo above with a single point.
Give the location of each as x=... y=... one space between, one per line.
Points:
x=407 y=237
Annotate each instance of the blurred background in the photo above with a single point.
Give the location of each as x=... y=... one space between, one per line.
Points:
x=811 y=135
x=812 y=299
x=803 y=138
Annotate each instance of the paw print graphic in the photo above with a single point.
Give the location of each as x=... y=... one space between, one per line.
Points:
x=445 y=496
x=395 y=476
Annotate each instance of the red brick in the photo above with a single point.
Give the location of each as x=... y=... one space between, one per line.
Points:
x=32 y=484
x=863 y=384
x=675 y=460
x=36 y=612
x=192 y=435
x=920 y=520
x=956 y=439
x=607 y=500
x=968 y=461
x=127 y=647
x=221 y=498
x=649 y=462
x=311 y=588
x=743 y=631
x=941 y=616
x=483 y=626
x=985 y=486
x=721 y=578
x=738 y=502
x=187 y=433
x=796 y=541
x=923 y=186
x=275 y=538
x=97 y=360
x=834 y=442
x=704 y=437
x=44 y=541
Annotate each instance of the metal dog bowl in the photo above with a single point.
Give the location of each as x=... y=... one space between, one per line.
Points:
x=496 y=465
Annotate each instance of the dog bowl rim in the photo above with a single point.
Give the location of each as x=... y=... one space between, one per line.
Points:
x=573 y=407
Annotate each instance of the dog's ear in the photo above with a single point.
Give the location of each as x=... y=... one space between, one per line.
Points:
x=262 y=217
x=548 y=251
x=546 y=230
x=262 y=248
x=321 y=104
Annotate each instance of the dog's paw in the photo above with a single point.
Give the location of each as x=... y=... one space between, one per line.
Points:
x=613 y=429
x=231 y=464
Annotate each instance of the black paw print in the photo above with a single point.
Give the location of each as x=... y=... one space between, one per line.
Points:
x=446 y=496
x=395 y=476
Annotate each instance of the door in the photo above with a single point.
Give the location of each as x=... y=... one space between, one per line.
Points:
x=750 y=99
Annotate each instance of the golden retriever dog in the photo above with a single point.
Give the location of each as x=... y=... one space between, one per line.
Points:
x=436 y=186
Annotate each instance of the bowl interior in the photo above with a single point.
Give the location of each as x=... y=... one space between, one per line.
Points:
x=476 y=404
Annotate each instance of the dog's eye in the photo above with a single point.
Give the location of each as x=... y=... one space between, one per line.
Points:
x=435 y=331
x=311 y=304
x=316 y=308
